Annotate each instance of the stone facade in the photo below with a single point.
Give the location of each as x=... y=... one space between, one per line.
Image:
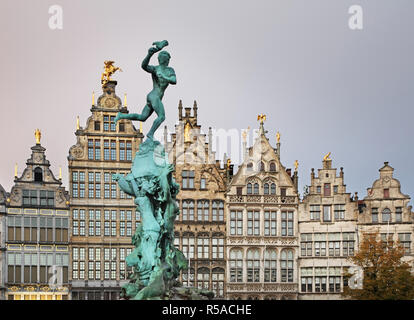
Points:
x=262 y=234
x=3 y=265
x=327 y=227
x=385 y=210
x=200 y=230
x=103 y=218
x=37 y=233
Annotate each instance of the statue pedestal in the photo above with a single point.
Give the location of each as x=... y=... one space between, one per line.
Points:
x=155 y=261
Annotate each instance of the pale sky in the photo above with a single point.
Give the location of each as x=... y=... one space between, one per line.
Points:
x=324 y=86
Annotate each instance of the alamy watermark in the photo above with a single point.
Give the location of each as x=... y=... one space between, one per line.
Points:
x=56 y=19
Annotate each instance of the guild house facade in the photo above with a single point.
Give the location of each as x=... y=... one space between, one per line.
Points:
x=103 y=217
x=37 y=236
x=200 y=229
x=262 y=226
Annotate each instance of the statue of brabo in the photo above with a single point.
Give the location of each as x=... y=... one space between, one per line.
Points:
x=155 y=261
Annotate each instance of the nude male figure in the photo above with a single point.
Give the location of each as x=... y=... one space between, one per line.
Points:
x=162 y=76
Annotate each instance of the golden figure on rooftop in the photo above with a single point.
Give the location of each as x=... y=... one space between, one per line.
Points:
x=261 y=117
x=187 y=132
x=326 y=157
x=38 y=135
x=296 y=164
x=109 y=71
x=278 y=137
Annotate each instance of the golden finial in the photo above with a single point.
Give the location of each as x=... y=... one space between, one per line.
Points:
x=38 y=135
x=60 y=173
x=187 y=132
x=228 y=163
x=296 y=163
x=93 y=98
x=326 y=157
x=278 y=137
x=261 y=117
x=77 y=123
x=109 y=70
x=140 y=126
x=125 y=100
x=15 y=170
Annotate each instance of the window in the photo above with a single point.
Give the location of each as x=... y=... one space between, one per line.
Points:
x=283 y=192
x=236 y=265
x=188 y=210
x=405 y=241
x=253 y=265
x=97 y=126
x=249 y=188
x=239 y=191
x=398 y=214
x=334 y=244
x=273 y=188
x=38 y=175
x=203 y=183
x=318 y=189
x=236 y=223
x=256 y=188
x=218 y=248
x=270 y=265
x=272 y=167
x=188 y=277
x=14 y=228
x=335 y=189
x=320 y=244
x=287 y=223
x=218 y=210
x=61 y=229
x=386 y=215
x=188 y=245
x=106 y=123
x=306 y=244
x=320 y=279
x=286 y=266
x=306 y=279
x=266 y=188
x=374 y=215
x=203 y=210
x=188 y=179
x=270 y=223
x=121 y=127
x=348 y=243
x=315 y=212
x=218 y=282
x=94 y=149
x=386 y=193
x=327 y=189
x=203 y=247
x=339 y=211
x=30 y=229
x=203 y=278
x=249 y=166
x=253 y=223
x=326 y=213
x=30 y=198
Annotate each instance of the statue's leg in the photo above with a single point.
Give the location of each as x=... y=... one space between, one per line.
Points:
x=159 y=110
x=146 y=112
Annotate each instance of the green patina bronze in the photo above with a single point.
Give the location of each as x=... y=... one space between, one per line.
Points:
x=155 y=261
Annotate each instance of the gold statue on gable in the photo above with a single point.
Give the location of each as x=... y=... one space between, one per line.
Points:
x=187 y=132
x=261 y=117
x=326 y=157
x=109 y=70
x=38 y=135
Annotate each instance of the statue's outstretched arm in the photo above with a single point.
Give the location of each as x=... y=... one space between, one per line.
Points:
x=145 y=63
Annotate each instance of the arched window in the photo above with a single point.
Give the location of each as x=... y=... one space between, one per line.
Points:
x=38 y=175
x=203 y=207
x=270 y=265
x=236 y=265
x=272 y=167
x=262 y=166
x=203 y=278
x=286 y=266
x=386 y=215
x=253 y=265
x=266 y=188
x=218 y=282
x=273 y=188
x=188 y=210
x=256 y=188
x=249 y=188
x=249 y=166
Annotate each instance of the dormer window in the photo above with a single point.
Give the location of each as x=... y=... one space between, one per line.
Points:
x=249 y=166
x=262 y=166
x=272 y=167
x=386 y=193
x=38 y=175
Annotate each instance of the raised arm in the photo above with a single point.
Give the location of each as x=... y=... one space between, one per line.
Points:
x=145 y=63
